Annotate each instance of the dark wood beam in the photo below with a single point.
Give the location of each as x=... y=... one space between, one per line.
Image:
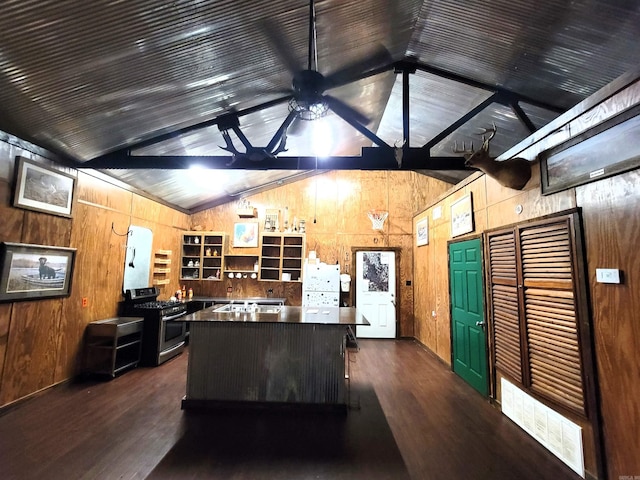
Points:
x=372 y=158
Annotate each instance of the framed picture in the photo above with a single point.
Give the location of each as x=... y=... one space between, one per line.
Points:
x=462 y=216
x=42 y=189
x=602 y=151
x=422 y=232
x=245 y=235
x=33 y=272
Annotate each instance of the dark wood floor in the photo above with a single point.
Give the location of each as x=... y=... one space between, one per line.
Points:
x=412 y=418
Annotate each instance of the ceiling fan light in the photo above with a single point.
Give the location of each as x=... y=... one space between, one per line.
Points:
x=308 y=110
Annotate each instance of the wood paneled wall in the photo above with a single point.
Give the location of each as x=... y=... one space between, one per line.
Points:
x=41 y=341
x=612 y=229
x=611 y=224
x=493 y=206
x=334 y=206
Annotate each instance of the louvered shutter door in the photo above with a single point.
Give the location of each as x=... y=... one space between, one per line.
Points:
x=504 y=304
x=550 y=318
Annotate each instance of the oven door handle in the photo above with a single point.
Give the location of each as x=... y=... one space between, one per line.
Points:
x=173 y=317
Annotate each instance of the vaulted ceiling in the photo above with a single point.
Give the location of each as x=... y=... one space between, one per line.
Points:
x=144 y=89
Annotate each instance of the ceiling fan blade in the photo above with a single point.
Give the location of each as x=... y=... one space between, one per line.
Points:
x=274 y=91
x=357 y=70
x=297 y=127
x=281 y=46
x=345 y=111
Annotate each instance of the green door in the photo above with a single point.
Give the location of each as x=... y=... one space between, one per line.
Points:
x=467 y=314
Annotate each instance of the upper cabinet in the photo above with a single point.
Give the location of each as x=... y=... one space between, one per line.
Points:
x=281 y=256
x=202 y=255
x=207 y=256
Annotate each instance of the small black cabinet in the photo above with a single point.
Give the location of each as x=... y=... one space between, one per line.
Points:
x=113 y=345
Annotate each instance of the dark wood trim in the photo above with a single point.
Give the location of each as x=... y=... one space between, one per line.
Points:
x=587 y=341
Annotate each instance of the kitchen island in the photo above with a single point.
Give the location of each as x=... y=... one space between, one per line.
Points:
x=244 y=354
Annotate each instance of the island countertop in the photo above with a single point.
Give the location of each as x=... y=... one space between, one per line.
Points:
x=287 y=314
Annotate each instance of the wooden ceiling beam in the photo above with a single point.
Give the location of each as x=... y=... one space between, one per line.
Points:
x=372 y=158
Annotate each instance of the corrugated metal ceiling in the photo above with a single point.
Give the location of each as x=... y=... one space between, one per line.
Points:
x=83 y=79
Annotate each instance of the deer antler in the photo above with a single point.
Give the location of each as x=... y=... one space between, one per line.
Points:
x=230 y=147
x=485 y=141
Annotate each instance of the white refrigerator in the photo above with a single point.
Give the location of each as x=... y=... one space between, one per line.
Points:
x=321 y=285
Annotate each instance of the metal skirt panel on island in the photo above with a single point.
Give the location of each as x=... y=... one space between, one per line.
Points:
x=266 y=363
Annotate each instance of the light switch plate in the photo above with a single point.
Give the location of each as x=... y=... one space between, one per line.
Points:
x=607 y=275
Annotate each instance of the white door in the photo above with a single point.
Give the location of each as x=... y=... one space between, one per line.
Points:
x=376 y=293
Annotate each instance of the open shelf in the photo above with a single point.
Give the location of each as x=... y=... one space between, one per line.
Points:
x=241 y=263
x=161 y=267
x=113 y=345
x=281 y=253
x=202 y=256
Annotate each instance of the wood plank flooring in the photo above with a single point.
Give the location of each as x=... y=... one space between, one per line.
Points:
x=412 y=418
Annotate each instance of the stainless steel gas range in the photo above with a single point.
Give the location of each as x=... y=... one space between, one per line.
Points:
x=163 y=336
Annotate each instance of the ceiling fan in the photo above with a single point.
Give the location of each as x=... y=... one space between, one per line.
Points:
x=308 y=98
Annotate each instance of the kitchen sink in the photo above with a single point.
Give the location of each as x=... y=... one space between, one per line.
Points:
x=249 y=308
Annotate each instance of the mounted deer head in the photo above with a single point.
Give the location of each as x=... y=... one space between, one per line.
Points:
x=512 y=173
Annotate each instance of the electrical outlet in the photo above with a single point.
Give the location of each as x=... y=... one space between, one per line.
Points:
x=85 y=302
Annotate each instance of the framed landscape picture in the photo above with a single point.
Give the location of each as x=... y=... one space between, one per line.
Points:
x=602 y=151
x=462 y=216
x=32 y=272
x=422 y=232
x=42 y=189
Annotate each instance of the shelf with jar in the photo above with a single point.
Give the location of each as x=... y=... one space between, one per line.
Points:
x=281 y=256
x=202 y=257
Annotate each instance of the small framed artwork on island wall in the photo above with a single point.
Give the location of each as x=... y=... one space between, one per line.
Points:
x=462 y=216
x=33 y=272
x=42 y=189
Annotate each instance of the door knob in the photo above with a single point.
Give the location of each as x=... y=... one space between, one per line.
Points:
x=480 y=324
